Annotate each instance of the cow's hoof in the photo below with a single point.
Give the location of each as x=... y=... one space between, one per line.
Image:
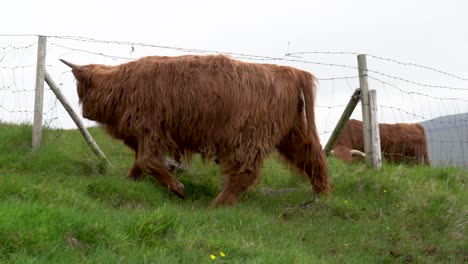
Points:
x=224 y=199
x=180 y=190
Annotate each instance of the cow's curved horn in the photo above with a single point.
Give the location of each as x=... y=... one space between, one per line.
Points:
x=355 y=152
x=69 y=64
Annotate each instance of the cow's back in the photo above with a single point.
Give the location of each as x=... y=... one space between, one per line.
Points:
x=211 y=101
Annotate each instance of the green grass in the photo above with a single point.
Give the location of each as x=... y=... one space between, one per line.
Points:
x=59 y=205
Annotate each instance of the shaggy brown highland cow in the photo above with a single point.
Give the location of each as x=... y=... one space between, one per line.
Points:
x=236 y=112
x=400 y=143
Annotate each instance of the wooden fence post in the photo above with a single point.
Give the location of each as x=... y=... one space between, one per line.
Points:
x=375 y=132
x=39 y=94
x=369 y=118
x=353 y=101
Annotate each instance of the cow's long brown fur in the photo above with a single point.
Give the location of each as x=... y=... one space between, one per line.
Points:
x=219 y=107
x=400 y=143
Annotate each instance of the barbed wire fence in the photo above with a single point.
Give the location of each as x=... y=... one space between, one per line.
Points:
x=406 y=92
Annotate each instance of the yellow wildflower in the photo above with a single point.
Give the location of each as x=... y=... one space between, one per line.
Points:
x=222 y=254
x=213 y=257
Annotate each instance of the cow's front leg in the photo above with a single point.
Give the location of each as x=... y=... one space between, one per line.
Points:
x=152 y=162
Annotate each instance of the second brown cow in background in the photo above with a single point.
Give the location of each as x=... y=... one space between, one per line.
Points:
x=400 y=143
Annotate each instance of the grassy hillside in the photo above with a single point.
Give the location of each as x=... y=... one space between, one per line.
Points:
x=60 y=205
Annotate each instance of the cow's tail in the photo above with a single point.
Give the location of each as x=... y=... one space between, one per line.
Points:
x=308 y=88
x=317 y=157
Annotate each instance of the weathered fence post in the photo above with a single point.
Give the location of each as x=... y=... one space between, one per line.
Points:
x=353 y=101
x=39 y=94
x=375 y=132
x=368 y=129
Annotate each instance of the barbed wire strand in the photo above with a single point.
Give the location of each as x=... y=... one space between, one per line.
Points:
x=283 y=58
x=416 y=93
x=378 y=58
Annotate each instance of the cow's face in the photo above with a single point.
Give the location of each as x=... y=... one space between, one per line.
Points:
x=84 y=88
x=84 y=82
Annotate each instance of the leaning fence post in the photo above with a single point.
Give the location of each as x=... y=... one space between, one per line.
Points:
x=39 y=93
x=89 y=139
x=353 y=101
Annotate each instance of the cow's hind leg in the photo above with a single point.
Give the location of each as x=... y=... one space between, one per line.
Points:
x=236 y=183
x=153 y=163
x=309 y=159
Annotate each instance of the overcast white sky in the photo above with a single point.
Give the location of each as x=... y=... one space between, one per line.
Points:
x=431 y=33
x=412 y=30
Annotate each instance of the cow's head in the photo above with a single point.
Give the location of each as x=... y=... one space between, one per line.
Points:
x=83 y=76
